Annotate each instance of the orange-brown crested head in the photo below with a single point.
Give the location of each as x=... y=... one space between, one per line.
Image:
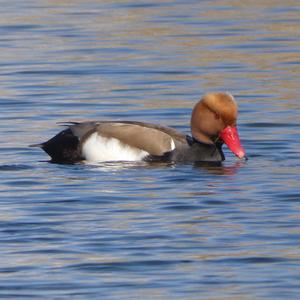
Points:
x=214 y=113
x=223 y=105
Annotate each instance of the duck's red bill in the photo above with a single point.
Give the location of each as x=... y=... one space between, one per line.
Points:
x=231 y=138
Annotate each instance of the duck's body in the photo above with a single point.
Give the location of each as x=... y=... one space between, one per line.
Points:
x=136 y=141
x=127 y=141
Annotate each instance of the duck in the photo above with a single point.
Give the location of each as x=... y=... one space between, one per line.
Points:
x=213 y=123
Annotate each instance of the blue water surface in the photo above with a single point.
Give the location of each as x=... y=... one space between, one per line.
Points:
x=139 y=230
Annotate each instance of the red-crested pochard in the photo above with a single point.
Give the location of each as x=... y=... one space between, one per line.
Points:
x=213 y=123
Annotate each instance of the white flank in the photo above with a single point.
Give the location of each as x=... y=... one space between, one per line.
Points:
x=98 y=148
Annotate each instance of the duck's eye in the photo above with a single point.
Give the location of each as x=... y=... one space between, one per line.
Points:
x=217 y=116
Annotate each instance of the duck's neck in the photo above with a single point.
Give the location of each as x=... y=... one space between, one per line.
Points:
x=199 y=136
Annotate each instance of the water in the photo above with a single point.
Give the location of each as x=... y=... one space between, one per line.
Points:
x=149 y=231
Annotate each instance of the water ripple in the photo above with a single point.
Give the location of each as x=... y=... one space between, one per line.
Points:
x=138 y=230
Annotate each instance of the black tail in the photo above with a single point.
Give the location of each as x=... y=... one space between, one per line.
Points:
x=37 y=145
x=62 y=148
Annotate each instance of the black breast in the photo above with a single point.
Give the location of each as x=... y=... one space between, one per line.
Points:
x=196 y=151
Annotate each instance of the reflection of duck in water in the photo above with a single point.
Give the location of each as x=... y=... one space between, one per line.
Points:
x=213 y=123
x=217 y=168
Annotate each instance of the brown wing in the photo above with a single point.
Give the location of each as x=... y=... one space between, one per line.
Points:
x=177 y=136
x=154 y=139
x=151 y=140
